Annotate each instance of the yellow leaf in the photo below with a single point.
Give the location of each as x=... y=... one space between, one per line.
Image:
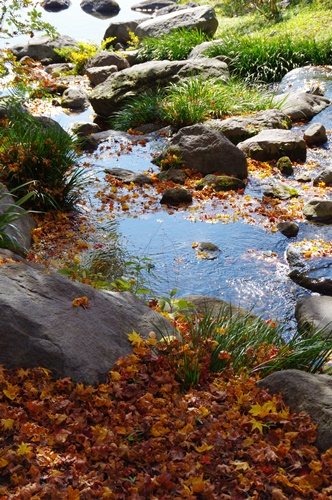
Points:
x=7 y=423
x=115 y=375
x=315 y=465
x=257 y=425
x=73 y=494
x=3 y=462
x=135 y=338
x=204 y=447
x=12 y=391
x=158 y=429
x=23 y=449
x=240 y=465
x=81 y=301
x=247 y=442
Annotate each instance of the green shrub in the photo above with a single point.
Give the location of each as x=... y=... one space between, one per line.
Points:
x=47 y=155
x=268 y=59
x=174 y=46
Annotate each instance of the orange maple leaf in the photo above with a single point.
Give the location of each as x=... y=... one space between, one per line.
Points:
x=81 y=301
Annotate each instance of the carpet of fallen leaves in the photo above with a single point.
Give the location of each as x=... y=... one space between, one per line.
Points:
x=138 y=436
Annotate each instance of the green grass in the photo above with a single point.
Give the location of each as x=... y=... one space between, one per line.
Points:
x=174 y=46
x=268 y=59
x=226 y=340
x=191 y=101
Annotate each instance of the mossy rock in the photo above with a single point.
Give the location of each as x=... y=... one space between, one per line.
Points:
x=284 y=164
x=221 y=183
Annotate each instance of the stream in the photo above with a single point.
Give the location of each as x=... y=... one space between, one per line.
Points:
x=250 y=269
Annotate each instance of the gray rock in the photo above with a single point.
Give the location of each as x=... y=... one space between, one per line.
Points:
x=200 y=49
x=201 y=18
x=314 y=313
x=128 y=176
x=325 y=176
x=150 y=6
x=110 y=95
x=173 y=174
x=173 y=7
x=85 y=128
x=75 y=98
x=273 y=144
x=285 y=165
x=207 y=151
x=100 y=74
x=41 y=48
x=315 y=134
x=289 y=229
x=217 y=307
x=55 y=5
x=306 y=392
x=295 y=258
x=176 y=196
x=220 y=183
x=19 y=230
x=208 y=249
x=106 y=58
x=280 y=190
x=300 y=105
x=120 y=31
x=317 y=209
x=240 y=128
x=100 y=8
x=307 y=280
x=39 y=325
x=57 y=68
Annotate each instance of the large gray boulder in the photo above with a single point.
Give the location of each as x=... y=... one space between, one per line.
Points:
x=315 y=313
x=75 y=98
x=42 y=48
x=149 y=6
x=301 y=105
x=120 y=31
x=318 y=209
x=273 y=144
x=202 y=18
x=240 y=128
x=40 y=326
x=207 y=151
x=306 y=392
x=315 y=134
x=110 y=95
x=55 y=5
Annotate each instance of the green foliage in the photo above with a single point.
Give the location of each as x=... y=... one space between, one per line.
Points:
x=135 y=277
x=18 y=17
x=45 y=154
x=174 y=46
x=195 y=100
x=191 y=101
x=137 y=111
x=79 y=54
x=268 y=8
x=268 y=59
x=11 y=212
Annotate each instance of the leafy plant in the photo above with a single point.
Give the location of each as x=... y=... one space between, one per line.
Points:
x=46 y=154
x=10 y=213
x=79 y=54
x=13 y=22
x=134 y=278
x=174 y=46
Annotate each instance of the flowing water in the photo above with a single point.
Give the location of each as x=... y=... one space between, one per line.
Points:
x=250 y=270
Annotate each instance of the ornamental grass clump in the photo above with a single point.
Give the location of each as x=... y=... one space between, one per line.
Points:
x=43 y=156
x=230 y=342
x=193 y=100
